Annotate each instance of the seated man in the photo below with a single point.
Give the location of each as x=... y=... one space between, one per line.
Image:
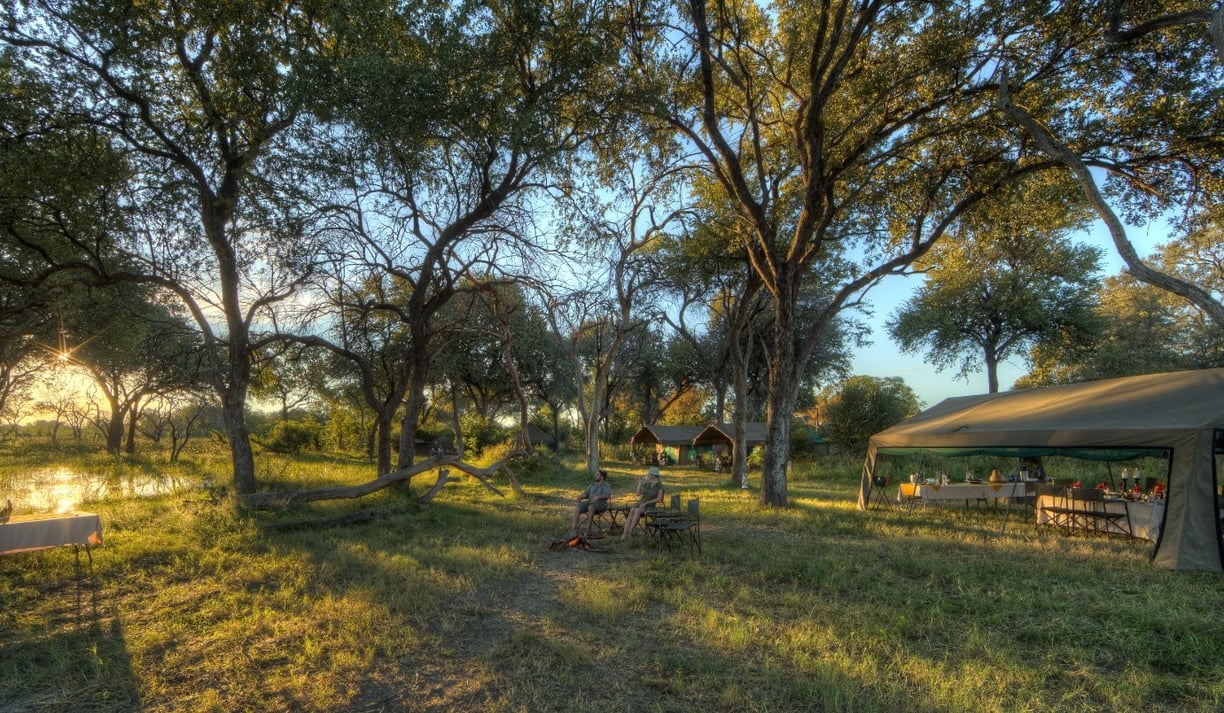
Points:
x=593 y=500
x=650 y=494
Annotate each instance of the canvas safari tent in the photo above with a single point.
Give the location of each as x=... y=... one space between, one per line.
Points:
x=1177 y=417
x=668 y=444
x=719 y=438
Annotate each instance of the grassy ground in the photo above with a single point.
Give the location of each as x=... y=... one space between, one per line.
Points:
x=460 y=605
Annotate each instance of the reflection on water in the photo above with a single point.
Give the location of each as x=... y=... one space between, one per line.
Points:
x=63 y=489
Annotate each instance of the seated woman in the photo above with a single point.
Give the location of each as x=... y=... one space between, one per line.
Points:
x=650 y=494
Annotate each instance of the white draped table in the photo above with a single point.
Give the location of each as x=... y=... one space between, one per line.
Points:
x=959 y=491
x=27 y=533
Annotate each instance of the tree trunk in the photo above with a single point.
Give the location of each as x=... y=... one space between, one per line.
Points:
x=133 y=415
x=739 y=413
x=382 y=441
x=114 y=431
x=456 y=426
x=992 y=370
x=592 y=441
x=556 y=430
x=781 y=398
x=233 y=411
x=740 y=341
x=295 y=497
x=408 y=426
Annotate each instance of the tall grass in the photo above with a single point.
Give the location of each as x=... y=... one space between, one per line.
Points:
x=202 y=605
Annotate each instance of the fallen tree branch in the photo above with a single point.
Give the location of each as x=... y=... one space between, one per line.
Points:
x=342 y=492
x=443 y=479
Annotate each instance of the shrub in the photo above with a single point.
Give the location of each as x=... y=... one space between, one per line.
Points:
x=292 y=436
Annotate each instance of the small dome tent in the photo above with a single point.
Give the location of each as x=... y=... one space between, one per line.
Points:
x=1175 y=415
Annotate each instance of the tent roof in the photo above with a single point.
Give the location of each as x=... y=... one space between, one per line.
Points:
x=1134 y=412
x=666 y=435
x=724 y=433
x=538 y=435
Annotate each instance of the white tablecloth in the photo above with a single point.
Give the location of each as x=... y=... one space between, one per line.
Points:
x=1145 y=518
x=961 y=491
x=39 y=532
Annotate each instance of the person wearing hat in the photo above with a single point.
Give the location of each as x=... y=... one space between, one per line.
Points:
x=650 y=494
x=594 y=500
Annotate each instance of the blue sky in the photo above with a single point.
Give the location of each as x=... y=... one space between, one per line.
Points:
x=884 y=358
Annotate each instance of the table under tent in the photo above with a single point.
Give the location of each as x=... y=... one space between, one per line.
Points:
x=1175 y=417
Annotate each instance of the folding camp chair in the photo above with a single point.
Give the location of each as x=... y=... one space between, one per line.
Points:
x=1055 y=510
x=689 y=523
x=653 y=520
x=879 y=492
x=611 y=518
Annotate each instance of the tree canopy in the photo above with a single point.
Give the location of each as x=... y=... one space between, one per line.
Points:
x=617 y=210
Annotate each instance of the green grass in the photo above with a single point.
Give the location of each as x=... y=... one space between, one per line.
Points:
x=460 y=605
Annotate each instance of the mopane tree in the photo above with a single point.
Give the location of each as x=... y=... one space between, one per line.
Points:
x=60 y=196
x=611 y=206
x=1143 y=329
x=198 y=94
x=134 y=349
x=288 y=374
x=708 y=270
x=544 y=370
x=1010 y=281
x=863 y=405
x=372 y=345
x=457 y=114
x=846 y=136
x=527 y=361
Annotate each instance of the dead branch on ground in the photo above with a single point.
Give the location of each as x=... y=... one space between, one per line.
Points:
x=263 y=501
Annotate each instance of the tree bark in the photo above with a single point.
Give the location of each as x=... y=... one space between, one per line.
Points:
x=782 y=385
x=992 y=370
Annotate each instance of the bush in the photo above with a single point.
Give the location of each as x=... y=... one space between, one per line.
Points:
x=479 y=433
x=292 y=436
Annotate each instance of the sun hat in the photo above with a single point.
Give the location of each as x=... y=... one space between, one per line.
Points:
x=653 y=471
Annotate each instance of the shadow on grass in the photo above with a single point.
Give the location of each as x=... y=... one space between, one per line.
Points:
x=501 y=623
x=459 y=605
x=62 y=644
